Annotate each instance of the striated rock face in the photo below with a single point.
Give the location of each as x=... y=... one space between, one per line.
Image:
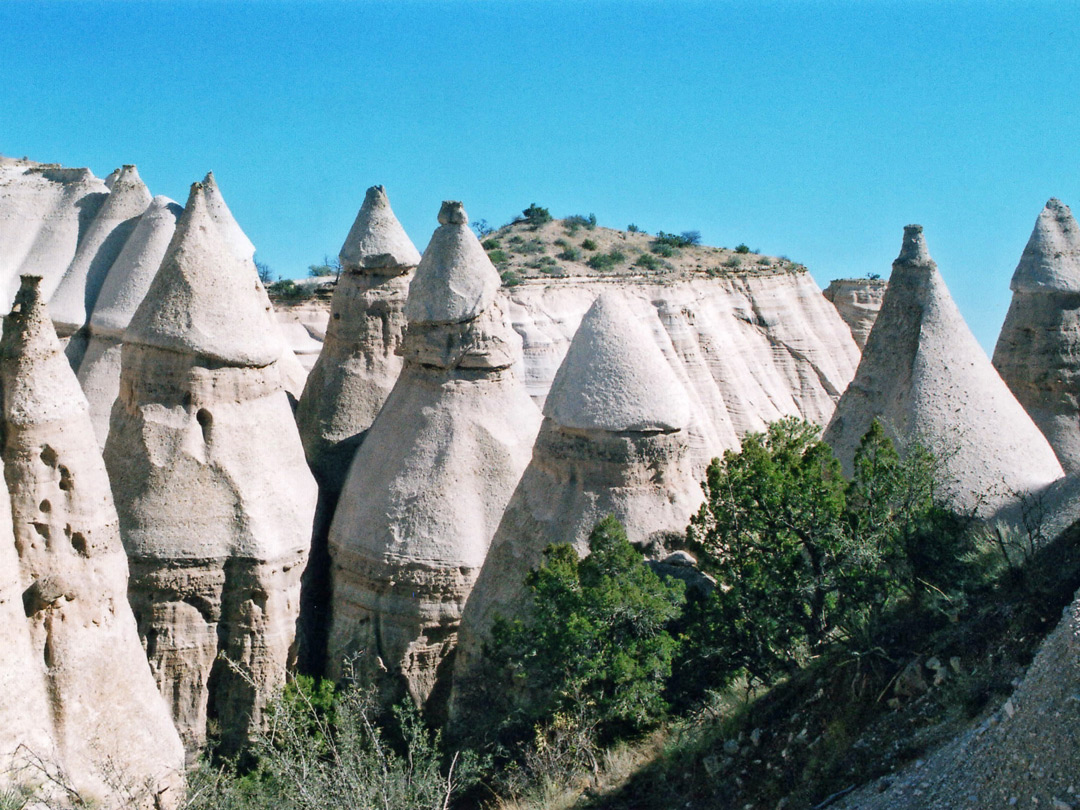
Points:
x=926 y=378
x=125 y=286
x=358 y=366
x=614 y=441
x=431 y=480
x=44 y=209
x=117 y=218
x=104 y=710
x=1038 y=350
x=214 y=496
x=858 y=300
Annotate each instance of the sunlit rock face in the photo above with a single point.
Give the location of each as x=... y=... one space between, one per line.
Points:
x=925 y=377
x=1038 y=350
x=215 y=498
x=125 y=285
x=104 y=715
x=614 y=441
x=357 y=369
x=858 y=300
x=430 y=482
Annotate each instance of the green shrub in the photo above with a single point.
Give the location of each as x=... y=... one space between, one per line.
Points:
x=535 y=216
x=742 y=248
x=667 y=251
x=532 y=246
x=510 y=278
x=490 y=244
x=733 y=261
x=498 y=256
x=632 y=228
x=589 y=244
x=288 y=290
x=578 y=221
x=594 y=638
x=684 y=239
x=648 y=261
x=605 y=261
x=570 y=254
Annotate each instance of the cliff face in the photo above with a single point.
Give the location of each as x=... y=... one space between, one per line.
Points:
x=858 y=300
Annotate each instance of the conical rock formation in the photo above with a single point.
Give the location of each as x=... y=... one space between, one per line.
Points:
x=925 y=377
x=105 y=710
x=356 y=370
x=125 y=285
x=429 y=484
x=214 y=496
x=1038 y=350
x=74 y=298
x=614 y=441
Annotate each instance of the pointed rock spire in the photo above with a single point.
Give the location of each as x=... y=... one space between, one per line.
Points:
x=433 y=475
x=614 y=376
x=205 y=298
x=351 y=379
x=1051 y=259
x=106 y=710
x=234 y=235
x=925 y=377
x=455 y=281
x=214 y=495
x=1036 y=350
x=77 y=293
x=376 y=239
x=634 y=463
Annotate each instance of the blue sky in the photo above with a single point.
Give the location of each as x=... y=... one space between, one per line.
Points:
x=811 y=130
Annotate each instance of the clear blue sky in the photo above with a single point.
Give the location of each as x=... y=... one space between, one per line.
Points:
x=814 y=130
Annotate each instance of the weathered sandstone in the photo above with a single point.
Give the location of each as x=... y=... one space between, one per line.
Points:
x=358 y=366
x=214 y=496
x=104 y=709
x=1038 y=350
x=430 y=482
x=613 y=442
x=858 y=300
x=127 y=282
x=926 y=378
x=73 y=301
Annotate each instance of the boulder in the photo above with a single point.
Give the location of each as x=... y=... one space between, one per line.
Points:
x=1038 y=350
x=214 y=495
x=110 y=726
x=925 y=377
x=350 y=381
x=614 y=441
x=432 y=478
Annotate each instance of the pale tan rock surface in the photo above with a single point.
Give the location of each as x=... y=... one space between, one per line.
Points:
x=1038 y=350
x=214 y=496
x=858 y=300
x=432 y=478
x=73 y=301
x=125 y=286
x=350 y=381
x=105 y=710
x=614 y=441
x=925 y=377
x=44 y=209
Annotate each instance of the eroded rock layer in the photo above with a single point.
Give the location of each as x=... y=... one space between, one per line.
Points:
x=429 y=484
x=858 y=300
x=357 y=369
x=106 y=717
x=614 y=441
x=214 y=496
x=926 y=378
x=1038 y=350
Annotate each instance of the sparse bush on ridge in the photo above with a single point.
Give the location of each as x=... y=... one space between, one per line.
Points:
x=535 y=216
x=589 y=244
x=606 y=261
x=578 y=221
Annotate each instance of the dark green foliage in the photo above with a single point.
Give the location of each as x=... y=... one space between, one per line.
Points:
x=288 y=290
x=578 y=221
x=498 y=256
x=490 y=244
x=804 y=558
x=606 y=261
x=733 y=261
x=536 y=216
x=742 y=248
x=648 y=261
x=691 y=237
x=329 y=267
x=667 y=251
x=632 y=228
x=678 y=240
x=589 y=244
x=570 y=254
x=595 y=637
x=510 y=278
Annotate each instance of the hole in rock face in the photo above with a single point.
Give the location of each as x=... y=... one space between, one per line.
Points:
x=78 y=542
x=66 y=482
x=205 y=421
x=45 y=506
x=337 y=316
x=49 y=456
x=42 y=529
